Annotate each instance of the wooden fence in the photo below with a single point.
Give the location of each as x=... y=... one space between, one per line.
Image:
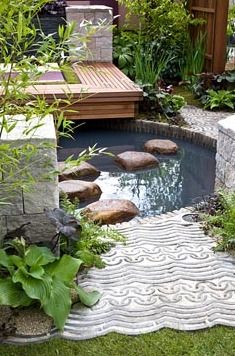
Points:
x=215 y=14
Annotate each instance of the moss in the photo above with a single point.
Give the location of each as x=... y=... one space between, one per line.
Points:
x=218 y=341
x=69 y=74
x=187 y=94
x=157 y=117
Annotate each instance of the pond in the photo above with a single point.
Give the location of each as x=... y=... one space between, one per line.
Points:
x=177 y=182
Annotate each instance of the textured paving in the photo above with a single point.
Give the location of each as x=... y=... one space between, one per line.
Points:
x=202 y=120
x=166 y=276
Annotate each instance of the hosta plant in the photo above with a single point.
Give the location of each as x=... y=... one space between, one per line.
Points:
x=222 y=99
x=35 y=275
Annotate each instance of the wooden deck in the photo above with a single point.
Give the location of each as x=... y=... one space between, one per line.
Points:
x=104 y=92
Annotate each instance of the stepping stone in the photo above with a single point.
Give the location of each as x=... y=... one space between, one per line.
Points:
x=111 y=211
x=161 y=146
x=132 y=160
x=83 y=170
x=79 y=189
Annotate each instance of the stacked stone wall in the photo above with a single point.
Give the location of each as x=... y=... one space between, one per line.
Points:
x=27 y=206
x=225 y=157
x=99 y=47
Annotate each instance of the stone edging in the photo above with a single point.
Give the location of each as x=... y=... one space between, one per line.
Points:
x=163 y=129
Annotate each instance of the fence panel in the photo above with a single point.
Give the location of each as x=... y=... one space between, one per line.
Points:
x=215 y=14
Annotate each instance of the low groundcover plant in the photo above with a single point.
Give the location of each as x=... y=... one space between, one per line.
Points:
x=35 y=275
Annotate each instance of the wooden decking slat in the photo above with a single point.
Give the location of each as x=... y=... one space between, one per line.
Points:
x=104 y=93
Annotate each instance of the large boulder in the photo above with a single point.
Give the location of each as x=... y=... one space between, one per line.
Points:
x=161 y=146
x=84 y=169
x=133 y=160
x=79 y=189
x=111 y=211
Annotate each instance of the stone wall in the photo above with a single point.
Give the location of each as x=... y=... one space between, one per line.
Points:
x=28 y=206
x=99 y=47
x=225 y=157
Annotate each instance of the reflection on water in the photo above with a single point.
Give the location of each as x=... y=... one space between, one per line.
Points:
x=154 y=191
x=177 y=181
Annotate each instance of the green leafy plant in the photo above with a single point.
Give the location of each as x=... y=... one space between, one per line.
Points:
x=164 y=22
x=222 y=99
x=36 y=275
x=124 y=44
x=221 y=222
x=93 y=239
x=171 y=104
x=149 y=65
x=193 y=60
x=231 y=21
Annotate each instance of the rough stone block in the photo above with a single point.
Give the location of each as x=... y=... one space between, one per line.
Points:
x=3 y=227
x=230 y=176
x=104 y=42
x=43 y=133
x=225 y=158
x=42 y=166
x=43 y=195
x=106 y=55
x=39 y=229
x=100 y=17
x=14 y=200
x=220 y=167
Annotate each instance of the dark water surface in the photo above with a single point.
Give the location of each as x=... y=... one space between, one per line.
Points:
x=177 y=182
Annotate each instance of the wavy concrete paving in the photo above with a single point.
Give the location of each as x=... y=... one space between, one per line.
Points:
x=167 y=275
x=203 y=121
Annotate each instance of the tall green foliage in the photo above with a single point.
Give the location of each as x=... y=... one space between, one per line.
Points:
x=166 y=23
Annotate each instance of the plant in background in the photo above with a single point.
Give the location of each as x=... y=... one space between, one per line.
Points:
x=171 y=104
x=231 y=23
x=149 y=65
x=215 y=91
x=53 y=8
x=124 y=44
x=219 y=221
x=35 y=275
x=193 y=59
x=222 y=99
x=166 y=22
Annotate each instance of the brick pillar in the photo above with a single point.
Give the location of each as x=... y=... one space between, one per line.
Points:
x=99 y=47
x=28 y=206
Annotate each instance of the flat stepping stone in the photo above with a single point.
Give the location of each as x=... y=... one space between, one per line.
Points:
x=111 y=211
x=83 y=170
x=161 y=146
x=79 y=189
x=133 y=160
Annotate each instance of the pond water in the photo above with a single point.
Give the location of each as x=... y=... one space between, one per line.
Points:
x=178 y=181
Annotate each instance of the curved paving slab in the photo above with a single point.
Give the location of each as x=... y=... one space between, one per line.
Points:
x=166 y=276
x=203 y=121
